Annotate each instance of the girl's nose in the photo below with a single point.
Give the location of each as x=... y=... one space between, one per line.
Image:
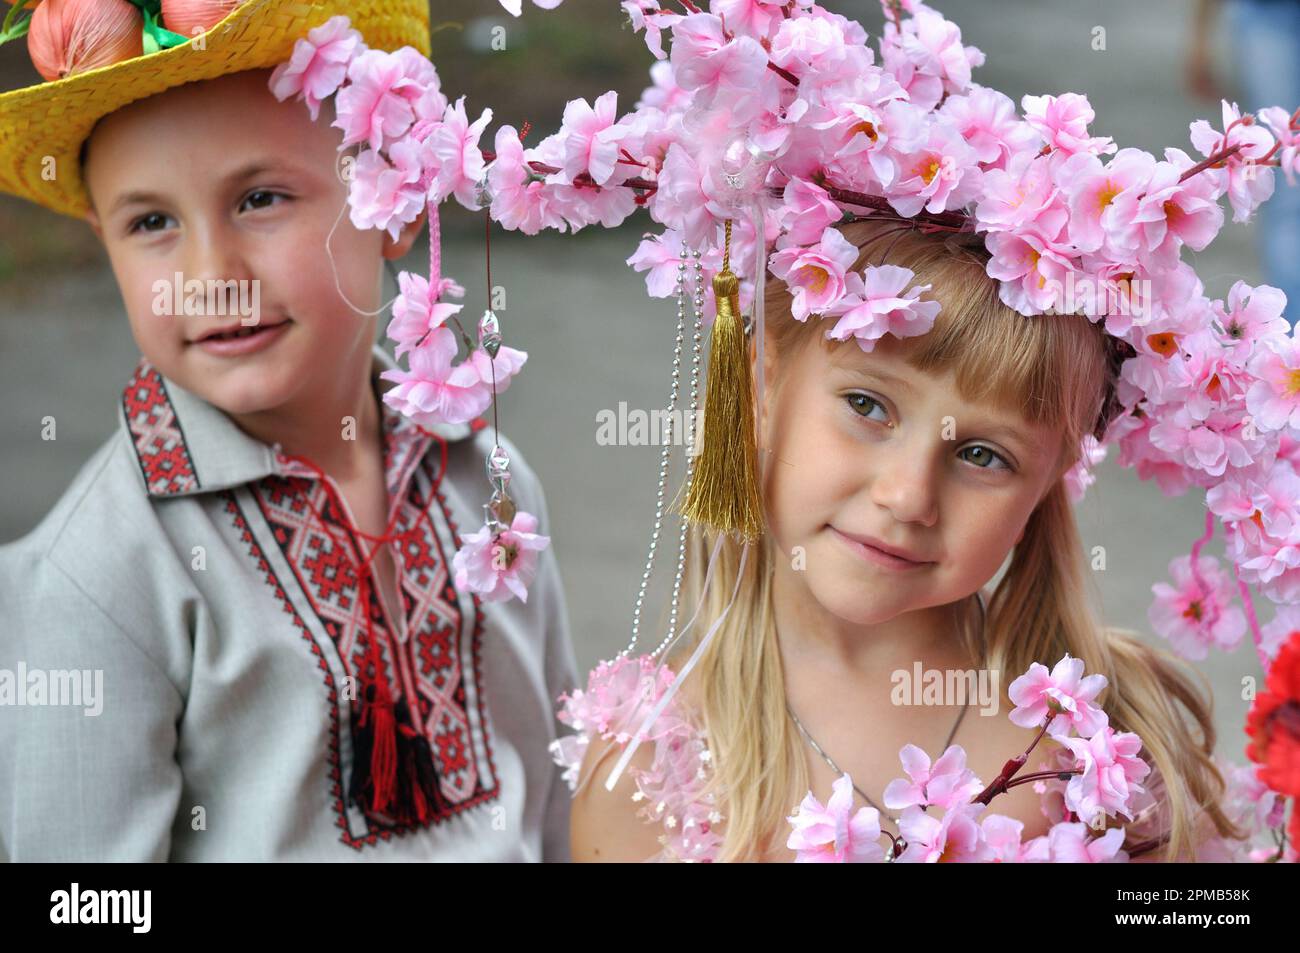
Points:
x=904 y=480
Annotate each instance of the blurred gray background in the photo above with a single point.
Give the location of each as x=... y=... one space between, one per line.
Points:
x=593 y=336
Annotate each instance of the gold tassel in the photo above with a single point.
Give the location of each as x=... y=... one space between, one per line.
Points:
x=723 y=492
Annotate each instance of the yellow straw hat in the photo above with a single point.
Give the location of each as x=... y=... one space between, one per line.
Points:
x=42 y=127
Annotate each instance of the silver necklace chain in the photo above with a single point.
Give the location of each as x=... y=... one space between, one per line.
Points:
x=836 y=768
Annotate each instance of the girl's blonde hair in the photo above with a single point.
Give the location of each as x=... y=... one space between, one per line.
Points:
x=1055 y=370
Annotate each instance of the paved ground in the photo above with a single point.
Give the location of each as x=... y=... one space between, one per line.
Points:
x=595 y=339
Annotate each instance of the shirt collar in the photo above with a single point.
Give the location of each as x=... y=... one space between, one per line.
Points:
x=184 y=445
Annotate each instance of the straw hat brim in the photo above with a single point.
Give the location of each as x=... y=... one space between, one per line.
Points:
x=42 y=127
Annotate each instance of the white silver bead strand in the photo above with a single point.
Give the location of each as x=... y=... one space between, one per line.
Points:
x=664 y=454
x=697 y=350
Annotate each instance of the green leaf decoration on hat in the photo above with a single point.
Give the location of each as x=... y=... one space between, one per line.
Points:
x=11 y=30
x=156 y=36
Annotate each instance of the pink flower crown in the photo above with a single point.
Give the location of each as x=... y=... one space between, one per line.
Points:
x=785 y=104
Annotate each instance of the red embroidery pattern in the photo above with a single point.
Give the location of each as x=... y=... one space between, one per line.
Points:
x=160 y=446
x=435 y=663
x=444 y=662
x=325 y=571
x=335 y=772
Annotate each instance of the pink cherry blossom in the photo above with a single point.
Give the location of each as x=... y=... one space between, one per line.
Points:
x=452 y=149
x=592 y=138
x=1254 y=313
x=807 y=211
x=433 y=391
x=659 y=256
x=1249 y=183
x=1032 y=269
x=1097 y=216
x=815 y=273
x=1022 y=197
x=942 y=173
x=928 y=57
x=756 y=18
x=1063 y=121
x=663 y=94
x=497 y=371
x=318 y=64
x=834 y=833
x=1002 y=835
x=417 y=309
x=1274 y=398
x=1194 y=615
x=1217 y=445
x=870 y=141
x=1287 y=134
x=956 y=837
x=1074 y=843
x=500 y=566
x=649 y=16
x=379 y=102
x=703 y=57
x=1111 y=772
x=520 y=201
x=385 y=193
x=1064 y=695
x=875 y=304
x=946 y=783
x=986 y=119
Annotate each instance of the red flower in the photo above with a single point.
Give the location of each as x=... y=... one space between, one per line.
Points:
x=1273 y=723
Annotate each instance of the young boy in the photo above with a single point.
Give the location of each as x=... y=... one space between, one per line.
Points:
x=189 y=638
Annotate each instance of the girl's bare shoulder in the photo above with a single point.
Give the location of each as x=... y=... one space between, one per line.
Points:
x=607 y=825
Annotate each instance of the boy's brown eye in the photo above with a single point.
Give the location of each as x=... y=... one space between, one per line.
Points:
x=263 y=193
x=142 y=223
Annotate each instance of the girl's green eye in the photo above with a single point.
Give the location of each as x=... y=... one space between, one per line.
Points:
x=862 y=404
x=986 y=455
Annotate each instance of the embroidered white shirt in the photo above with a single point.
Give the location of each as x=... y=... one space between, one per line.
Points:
x=186 y=573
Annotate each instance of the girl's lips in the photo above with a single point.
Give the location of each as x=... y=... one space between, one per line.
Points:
x=876 y=556
x=236 y=347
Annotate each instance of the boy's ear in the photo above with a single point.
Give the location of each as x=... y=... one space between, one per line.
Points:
x=92 y=220
x=406 y=238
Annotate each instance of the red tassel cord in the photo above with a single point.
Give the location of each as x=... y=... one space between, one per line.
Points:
x=393 y=776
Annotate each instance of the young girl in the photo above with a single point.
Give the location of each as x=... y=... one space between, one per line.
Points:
x=953 y=449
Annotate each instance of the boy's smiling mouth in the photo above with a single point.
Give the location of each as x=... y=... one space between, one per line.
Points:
x=238 y=340
x=235 y=330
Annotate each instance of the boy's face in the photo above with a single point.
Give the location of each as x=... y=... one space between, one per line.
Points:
x=235 y=192
x=948 y=482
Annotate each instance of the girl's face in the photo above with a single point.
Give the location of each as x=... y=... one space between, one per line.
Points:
x=863 y=445
x=220 y=182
